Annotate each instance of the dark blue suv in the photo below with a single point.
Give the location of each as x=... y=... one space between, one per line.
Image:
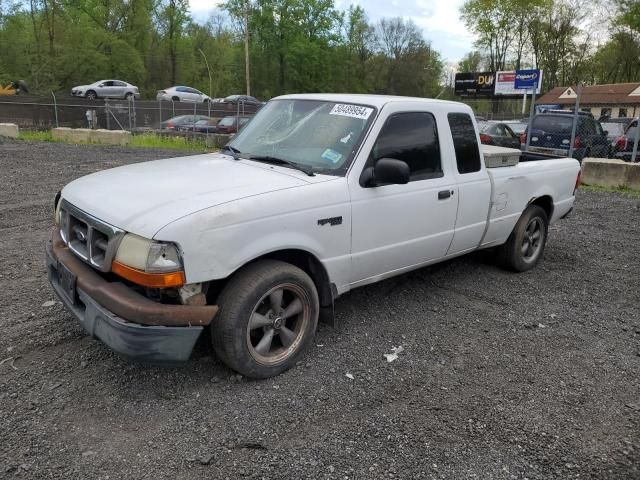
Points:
x=551 y=134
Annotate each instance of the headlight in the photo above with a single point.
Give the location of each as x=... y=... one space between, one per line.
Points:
x=149 y=263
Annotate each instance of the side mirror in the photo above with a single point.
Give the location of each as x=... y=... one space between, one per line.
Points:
x=386 y=171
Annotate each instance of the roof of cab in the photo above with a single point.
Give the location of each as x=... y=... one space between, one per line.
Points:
x=377 y=101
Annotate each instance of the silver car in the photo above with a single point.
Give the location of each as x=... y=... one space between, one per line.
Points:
x=183 y=94
x=106 y=89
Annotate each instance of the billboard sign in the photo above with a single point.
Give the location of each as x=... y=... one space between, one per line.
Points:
x=506 y=80
x=474 y=83
x=527 y=79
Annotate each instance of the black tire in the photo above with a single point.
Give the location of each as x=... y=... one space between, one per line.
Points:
x=128 y=96
x=514 y=254
x=91 y=95
x=246 y=300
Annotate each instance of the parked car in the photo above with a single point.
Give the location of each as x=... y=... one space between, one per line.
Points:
x=498 y=133
x=183 y=94
x=325 y=193
x=551 y=134
x=231 y=124
x=106 y=89
x=614 y=131
x=517 y=126
x=206 y=126
x=623 y=148
x=624 y=121
x=175 y=122
x=246 y=99
x=190 y=125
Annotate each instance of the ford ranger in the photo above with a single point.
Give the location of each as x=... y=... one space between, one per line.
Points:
x=316 y=195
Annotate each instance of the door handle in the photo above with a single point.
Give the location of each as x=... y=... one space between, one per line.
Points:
x=442 y=194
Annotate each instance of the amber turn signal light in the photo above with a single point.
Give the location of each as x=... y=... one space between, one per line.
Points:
x=152 y=280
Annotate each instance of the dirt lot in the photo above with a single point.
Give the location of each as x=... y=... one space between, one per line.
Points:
x=502 y=375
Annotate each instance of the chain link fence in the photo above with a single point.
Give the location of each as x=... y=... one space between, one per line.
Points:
x=39 y=113
x=563 y=132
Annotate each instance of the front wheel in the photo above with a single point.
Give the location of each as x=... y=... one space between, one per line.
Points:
x=526 y=243
x=91 y=95
x=268 y=317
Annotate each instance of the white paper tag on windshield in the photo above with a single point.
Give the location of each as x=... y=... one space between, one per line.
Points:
x=355 y=111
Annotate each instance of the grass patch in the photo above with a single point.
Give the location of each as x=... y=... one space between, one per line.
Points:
x=626 y=191
x=150 y=140
x=146 y=140
x=36 y=135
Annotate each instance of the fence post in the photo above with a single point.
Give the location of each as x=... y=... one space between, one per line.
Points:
x=575 y=120
x=160 y=106
x=634 y=155
x=193 y=130
x=107 y=113
x=55 y=108
x=130 y=105
x=532 y=112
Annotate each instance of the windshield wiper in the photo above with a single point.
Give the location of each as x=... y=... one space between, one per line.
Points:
x=281 y=161
x=234 y=151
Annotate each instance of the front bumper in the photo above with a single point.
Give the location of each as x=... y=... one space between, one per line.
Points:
x=127 y=322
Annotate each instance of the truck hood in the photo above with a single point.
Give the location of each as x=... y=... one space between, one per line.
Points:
x=144 y=197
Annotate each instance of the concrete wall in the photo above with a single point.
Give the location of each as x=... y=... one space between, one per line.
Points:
x=9 y=130
x=606 y=172
x=85 y=135
x=218 y=140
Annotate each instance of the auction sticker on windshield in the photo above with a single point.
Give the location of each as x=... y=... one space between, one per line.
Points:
x=355 y=111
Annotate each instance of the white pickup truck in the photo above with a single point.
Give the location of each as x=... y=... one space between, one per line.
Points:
x=317 y=195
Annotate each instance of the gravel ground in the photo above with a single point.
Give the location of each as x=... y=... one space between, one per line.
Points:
x=502 y=375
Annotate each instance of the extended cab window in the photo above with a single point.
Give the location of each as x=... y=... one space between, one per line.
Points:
x=464 y=142
x=413 y=138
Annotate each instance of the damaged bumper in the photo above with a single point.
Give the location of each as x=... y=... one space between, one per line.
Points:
x=127 y=322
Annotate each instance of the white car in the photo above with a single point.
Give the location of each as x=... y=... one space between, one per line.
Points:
x=106 y=89
x=183 y=94
x=317 y=195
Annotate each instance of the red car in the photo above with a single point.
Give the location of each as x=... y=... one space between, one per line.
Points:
x=231 y=124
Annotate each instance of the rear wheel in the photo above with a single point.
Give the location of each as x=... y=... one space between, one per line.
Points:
x=525 y=245
x=268 y=317
x=128 y=96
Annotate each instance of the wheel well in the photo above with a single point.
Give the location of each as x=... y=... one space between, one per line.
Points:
x=175 y=98
x=546 y=203
x=302 y=259
x=311 y=266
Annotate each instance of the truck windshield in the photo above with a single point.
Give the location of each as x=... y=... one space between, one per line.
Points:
x=320 y=135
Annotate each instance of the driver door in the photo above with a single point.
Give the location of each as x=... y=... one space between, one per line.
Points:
x=399 y=227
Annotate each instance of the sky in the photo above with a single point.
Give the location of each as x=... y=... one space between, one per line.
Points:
x=438 y=19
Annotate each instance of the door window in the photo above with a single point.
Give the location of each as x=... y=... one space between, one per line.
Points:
x=500 y=131
x=509 y=132
x=464 y=142
x=413 y=138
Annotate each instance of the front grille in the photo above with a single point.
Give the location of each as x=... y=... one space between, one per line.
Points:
x=91 y=239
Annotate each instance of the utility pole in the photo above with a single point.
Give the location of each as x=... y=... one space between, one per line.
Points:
x=208 y=69
x=246 y=47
